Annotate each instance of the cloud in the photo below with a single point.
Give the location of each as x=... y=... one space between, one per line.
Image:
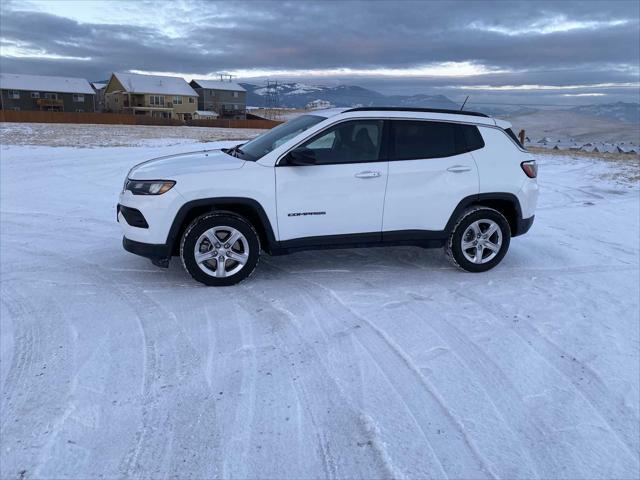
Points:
x=390 y=45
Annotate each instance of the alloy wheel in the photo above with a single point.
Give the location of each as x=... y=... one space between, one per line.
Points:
x=221 y=251
x=481 y=241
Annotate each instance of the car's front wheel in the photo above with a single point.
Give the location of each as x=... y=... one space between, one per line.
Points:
x=480 y=239
x=220 y=249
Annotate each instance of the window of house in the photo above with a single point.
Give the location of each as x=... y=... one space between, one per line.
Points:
x=348 y=142
x=51 y=96
x=235 y=94
x=35 y=94
x=17 y=109
x=156 y=100
x=212 y=92
x=78 y=97
x=177 y=100
x=14 y=94
x=192 y=100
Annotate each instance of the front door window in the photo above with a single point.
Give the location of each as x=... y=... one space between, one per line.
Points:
x=357 y=141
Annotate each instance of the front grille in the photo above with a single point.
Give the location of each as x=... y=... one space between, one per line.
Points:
x=133 y=217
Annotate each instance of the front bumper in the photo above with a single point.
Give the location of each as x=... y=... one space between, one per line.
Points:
x=159 y=254
x=148 y=218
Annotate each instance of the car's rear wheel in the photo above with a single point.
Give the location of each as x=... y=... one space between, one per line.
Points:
x=220 y=249
x=479 y=240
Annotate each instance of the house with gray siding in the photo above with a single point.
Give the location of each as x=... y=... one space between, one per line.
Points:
x=45 y=93
x=226 y=98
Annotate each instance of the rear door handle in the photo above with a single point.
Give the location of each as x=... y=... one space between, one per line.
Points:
x=459 y=169
x=368 y=174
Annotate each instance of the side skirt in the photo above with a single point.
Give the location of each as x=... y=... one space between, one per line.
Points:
x=414 y=238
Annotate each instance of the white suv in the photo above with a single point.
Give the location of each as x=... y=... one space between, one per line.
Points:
x=337 y=178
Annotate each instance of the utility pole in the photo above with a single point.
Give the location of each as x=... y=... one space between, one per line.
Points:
x=272 y=100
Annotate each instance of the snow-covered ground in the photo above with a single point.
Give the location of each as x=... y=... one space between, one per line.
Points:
x=371 y=363
x=86 y=136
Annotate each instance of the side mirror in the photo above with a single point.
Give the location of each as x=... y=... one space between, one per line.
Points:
x=301 y=157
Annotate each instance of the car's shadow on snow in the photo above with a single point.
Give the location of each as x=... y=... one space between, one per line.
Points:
x=395 y=265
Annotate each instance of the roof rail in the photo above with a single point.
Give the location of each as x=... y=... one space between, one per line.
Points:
x=410 y=109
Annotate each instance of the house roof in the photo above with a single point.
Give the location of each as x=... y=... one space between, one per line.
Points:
x=219 y=85
x=98 y=85
x=155 y=84
x=41 y=83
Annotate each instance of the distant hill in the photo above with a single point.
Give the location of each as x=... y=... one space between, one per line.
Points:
x=621 y=111
x=298 y=95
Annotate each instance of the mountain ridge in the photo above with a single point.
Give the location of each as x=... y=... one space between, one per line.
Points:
x=298 y=95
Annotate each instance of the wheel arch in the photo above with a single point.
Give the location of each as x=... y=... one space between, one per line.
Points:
x=248 y=208
x=506 y=203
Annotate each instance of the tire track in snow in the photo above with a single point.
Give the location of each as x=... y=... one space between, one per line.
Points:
x=333 y=418
x=153 y=442
x=405 y=377
x=152 y=454
x=617 y=416
x=235 y=451
x=504 y=398
x=447 y=462
x=25 y=355
x=38 y=364
x=130 y=462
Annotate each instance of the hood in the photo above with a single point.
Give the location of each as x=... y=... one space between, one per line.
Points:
x=172 y=166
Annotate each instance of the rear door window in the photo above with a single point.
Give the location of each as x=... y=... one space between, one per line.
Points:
x=414 y=139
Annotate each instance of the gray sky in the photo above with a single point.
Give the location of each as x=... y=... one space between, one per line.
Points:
x=505 y=51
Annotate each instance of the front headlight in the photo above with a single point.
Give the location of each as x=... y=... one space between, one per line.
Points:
x=149 y=187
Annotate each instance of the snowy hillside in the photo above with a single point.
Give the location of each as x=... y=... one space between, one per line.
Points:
x=621 y=111
x=370 y=363
x=298 y=95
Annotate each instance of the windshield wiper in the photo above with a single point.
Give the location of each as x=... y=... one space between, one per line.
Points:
x=234 y=151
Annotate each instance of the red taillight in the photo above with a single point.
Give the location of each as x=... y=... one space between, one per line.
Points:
x=530 y=168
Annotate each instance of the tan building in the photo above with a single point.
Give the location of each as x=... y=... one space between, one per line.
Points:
x=152 y=95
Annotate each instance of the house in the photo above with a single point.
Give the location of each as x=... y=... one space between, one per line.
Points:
x=152 y=95
x=99 y=88
x=318 y=105
x=204 y=115
x=228 y=99
x=39 y=92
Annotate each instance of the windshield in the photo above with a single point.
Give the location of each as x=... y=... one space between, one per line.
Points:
x=265 y=143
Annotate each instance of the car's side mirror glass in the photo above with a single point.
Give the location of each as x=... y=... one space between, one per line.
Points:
x=301 y=156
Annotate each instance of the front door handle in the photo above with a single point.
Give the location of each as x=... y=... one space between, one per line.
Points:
x=459 y=169
x=368 y=174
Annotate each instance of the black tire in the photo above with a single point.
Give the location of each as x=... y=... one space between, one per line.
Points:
x=218 y=219
x=453 y=247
